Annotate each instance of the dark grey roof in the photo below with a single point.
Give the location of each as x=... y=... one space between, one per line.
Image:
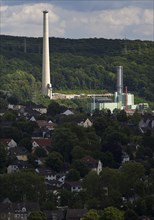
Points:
x=21 y=164
x=73 y=183
x=45 y=171
x=54 y=214
x=75 y=213
x=102 y=99
x=18 y=151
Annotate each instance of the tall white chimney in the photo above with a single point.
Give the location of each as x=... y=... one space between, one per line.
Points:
x=46 y=85
x=119 y=79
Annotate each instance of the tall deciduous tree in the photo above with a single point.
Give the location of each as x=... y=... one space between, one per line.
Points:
x=3 y=157
x=26 y=142
x=55 y=161
x=131 y=173
x=112 y=213
x=55 y=108
x=92 y=214
x=73 y=175
x=37 y=215
x=93 y=189
x=130 y=214
x=63 y=141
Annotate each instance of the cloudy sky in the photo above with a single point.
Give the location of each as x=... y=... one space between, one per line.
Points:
x=133 y=19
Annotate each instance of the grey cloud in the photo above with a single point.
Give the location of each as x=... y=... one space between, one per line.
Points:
x=87 y=5
x=26 y=20
x=96 y=5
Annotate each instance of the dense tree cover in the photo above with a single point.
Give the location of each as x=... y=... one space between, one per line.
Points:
x=73 y=175
x=125 y=186
x=82 y=64
x=111 y=185
x=17 y=185
x=21 y=84
x=3 y=158
x=26 y=142
x=10 y=132
x=9 y=115
x=26 y=126
x=130 y=214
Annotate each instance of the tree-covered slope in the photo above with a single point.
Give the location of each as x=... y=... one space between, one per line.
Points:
x=82 y=64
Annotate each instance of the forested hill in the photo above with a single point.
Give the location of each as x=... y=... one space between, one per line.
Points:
x=81 y=64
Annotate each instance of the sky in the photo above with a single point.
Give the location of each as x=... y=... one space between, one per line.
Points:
x=111 y=19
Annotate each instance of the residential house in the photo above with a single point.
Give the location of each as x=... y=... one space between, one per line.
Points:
x=40 y=108
x=75 y=214
x=29 y=112
x=53 y=180
x=18 y=165
x=47 y=173
x=15 y=107
x=54 y=215
x=92 y=164
x=32 y=119
x=38 y=132
x=46 y=125
x=19 y=152
x=44 y=143
x=125 y=157
x=9 y=142
x=61 y=177
x=86 y=123
x=67 y=112
x=17 y=211
x=146 y=123
x=53 y=185
x=74 y=186
x=12 y=168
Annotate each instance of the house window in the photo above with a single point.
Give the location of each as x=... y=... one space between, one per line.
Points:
x=17 y=215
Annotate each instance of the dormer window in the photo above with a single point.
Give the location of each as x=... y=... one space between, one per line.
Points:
x=23 y=209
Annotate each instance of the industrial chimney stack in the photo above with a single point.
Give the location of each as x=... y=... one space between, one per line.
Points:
x=46 y=85
x=119 y=80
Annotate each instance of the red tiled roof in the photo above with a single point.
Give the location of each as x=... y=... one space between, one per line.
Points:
x=42 y=142
x=43 y=123
x=89 y=160
x=5 y=140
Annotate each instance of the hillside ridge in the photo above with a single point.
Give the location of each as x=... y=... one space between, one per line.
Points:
x=78 y=64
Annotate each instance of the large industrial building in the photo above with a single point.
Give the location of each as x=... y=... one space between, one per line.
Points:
x=122 y=100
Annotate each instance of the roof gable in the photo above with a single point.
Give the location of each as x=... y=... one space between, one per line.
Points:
x=67 y=112
x=42 y=142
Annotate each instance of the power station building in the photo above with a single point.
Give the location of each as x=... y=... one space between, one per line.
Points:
x=121 y=100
